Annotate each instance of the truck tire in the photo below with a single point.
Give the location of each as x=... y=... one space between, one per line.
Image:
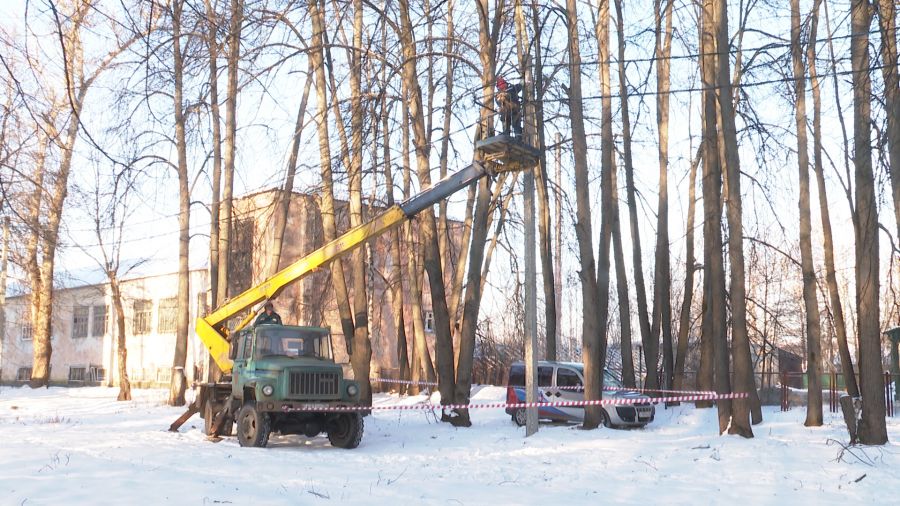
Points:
x=253 y=427
x=346 y=431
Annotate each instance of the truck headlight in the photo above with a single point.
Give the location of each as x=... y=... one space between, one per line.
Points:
x=352 y=390
x=268 y=390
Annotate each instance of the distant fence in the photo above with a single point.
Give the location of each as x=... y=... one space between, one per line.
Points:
x=835 y=382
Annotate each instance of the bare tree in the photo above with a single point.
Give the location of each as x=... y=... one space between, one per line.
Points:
x=837 y=310
x=593 y=367
x=233 y=57
x=887 y=24
x=811 y=304
x=179 y=381
x=650 y=341
x=714 y=296
x=728 y=151
x=872 y=429
x=662 y=293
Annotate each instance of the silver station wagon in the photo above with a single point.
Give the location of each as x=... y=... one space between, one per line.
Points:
x=564 y=381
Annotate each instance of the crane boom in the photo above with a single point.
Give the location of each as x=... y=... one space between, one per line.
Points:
x=211 y=329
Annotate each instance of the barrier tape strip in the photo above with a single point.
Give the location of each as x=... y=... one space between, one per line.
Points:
x=516 y=405
x=574 y=388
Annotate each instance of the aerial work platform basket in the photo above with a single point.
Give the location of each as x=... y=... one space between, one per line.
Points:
x=507 y=153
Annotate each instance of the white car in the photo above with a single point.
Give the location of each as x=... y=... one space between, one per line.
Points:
x=564 y=381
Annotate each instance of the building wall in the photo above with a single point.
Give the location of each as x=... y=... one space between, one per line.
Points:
x=311 y=301
x=149 y=354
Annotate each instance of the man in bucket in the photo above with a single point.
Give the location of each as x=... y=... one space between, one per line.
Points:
x=509 y=105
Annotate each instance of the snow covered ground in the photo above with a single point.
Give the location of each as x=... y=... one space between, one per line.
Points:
x=80 y=446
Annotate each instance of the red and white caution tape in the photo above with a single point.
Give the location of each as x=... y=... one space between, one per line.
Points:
x=404 y=382
x=576 y=388
x=641 y=390
x=517 y=405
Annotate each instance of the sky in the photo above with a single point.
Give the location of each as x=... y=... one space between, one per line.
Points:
x=266 y=113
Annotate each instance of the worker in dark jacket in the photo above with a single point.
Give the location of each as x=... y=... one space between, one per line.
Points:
x=268 y=317
x=509 y=105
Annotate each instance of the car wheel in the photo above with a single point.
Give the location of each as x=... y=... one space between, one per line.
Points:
x=604 y=418
x=253 y=426
x=520 y=417
x=346 y=431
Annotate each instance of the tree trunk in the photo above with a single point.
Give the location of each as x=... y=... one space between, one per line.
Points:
x=540 y=174
x=178 y=381
x=326 y=203
x=422 y=362
x=650 y=341
x=215 y=121
x=474 y=279
x=872 y=429
x=426 y=221
x=47 y=241
x=362 y=347
x=740 y=340
x=837 y=308
x=622 y=290
x=887 y=23
x=284 y=200
x=225 y=211
x=121 y=349
x=590 y=330
x=684 y=319
x=811 y=304
x=662 y=293
x=714 y=296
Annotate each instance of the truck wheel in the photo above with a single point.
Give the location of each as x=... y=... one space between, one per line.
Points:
x=519 y=417
x=346 y=431
x=253 y=427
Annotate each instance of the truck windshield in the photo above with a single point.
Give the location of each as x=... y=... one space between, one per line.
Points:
x=292 y=342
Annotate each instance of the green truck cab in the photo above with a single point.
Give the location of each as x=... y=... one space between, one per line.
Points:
x=284 y=380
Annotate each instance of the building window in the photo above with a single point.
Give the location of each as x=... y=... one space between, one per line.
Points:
x=98 y=373
x=142 y=316
x=24 y=374
x=168 y=312
x=429 y=321
x=76 y=374
x=26 y=332
x=99 y=322
x=80 y=317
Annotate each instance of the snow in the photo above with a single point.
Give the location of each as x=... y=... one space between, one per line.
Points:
x=80 y=446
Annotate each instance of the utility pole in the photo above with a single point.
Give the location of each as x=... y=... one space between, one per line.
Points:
x=531 y=418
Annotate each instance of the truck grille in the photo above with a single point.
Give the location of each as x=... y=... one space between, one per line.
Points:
x=314 y=384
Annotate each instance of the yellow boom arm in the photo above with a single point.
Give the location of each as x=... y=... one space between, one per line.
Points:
x=211 y=329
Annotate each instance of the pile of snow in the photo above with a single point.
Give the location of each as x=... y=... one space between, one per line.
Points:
x=80 y=446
